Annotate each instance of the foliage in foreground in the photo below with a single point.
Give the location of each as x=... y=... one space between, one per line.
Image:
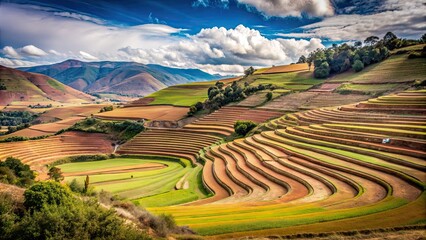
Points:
x=13 y=171
x=51 y=211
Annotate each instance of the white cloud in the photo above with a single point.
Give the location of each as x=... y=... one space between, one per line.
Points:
x=295 y=8
x=79 y=17
x=15 y=63
x=211 y=3
x=32 y=50
x=10 y=52
x=221 y=50
x=404 y=18
x=48 y=31
x=216 y=50
x=87 y=56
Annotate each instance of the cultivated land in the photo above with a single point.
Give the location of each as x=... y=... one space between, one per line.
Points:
x=37 y=153
x=56 y=119
x=184 y=94
x=149 y=181
x=157 y=112
x=320 y=164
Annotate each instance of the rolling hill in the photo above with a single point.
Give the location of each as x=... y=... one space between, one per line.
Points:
x=36 y=88
x=118 y=77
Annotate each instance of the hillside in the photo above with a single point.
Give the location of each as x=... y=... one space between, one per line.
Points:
x=118 y=77
x=36 y=88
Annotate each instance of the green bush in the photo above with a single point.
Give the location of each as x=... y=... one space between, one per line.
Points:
x=269 y=96
x=52 y=212
x=15 y=172
x=358 y=66
x=46 y=193
x=322 y=71
x=244 y=127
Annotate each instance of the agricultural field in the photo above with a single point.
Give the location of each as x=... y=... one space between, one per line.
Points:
x=295 y=81
x=148 y=181
x=319 y=170
x=157 y=112
x=38 y=153
x=396 y=69
x=283 y=69
x=185 y=94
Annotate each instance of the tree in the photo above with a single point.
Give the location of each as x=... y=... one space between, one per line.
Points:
x=358 y=66
x=371 y=40
x=302 y=59
x=55 y=173
x=219 y=84
x=43 y=193
x=423 y=38
x=323 y=71
x=249 y=71
x=389 y=36
x=243 y=127
x=86 y=184
x=269 y=96
x=358 y=44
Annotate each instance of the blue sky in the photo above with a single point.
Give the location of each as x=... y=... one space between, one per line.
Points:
x=218 y=36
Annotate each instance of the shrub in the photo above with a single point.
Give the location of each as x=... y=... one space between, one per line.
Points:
x=24 y=176
x=243 y=127
x=46 y=193
x=358 y=66
x=269 y=96
x=107 y=108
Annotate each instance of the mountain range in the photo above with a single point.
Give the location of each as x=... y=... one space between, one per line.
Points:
x=36 y=88
x=127 y=78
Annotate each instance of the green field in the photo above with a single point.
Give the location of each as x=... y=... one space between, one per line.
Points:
x=149 y=188
x=395 y=68
x=181 y=95
x=297 y=81
x=367 y=88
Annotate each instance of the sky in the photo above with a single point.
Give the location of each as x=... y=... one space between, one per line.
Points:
x=216 y=36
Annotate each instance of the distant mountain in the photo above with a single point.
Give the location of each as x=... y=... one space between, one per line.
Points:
x=118 y=77
x=35 y=88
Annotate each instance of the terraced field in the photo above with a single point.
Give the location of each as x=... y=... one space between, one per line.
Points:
x=179 y=143
x=37 y=153
x=221 y=122
x=283 y=69
x=157 y=112
x=149 y=181
x=184 y=94
x=321 y=170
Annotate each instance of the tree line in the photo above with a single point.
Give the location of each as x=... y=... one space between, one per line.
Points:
x=340 y=58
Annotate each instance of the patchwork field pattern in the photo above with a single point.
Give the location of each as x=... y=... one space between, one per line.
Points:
x=157 y=112
x=335 y=169
x=149 y=181
x=37 y=153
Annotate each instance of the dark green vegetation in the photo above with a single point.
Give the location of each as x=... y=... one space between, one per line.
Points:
x=13 y=171
x=121 y=131
x=340 y=58
x=51 y=211
x=244 y=127
x=16 y=118
x=20 y=138
x=107 y=108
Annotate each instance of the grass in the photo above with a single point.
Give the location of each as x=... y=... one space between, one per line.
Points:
x=367 y=88
x=98 y=165
x=192 y=193
x=55 y=84
x=181 y=95
x=282 y=80
x=396 y=68
x=145 y=187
